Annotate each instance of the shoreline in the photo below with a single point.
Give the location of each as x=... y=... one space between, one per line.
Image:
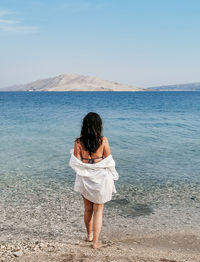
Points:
x=157 y=247
x=51 y=228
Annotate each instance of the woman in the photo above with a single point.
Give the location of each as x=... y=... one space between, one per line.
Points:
x=95 y=173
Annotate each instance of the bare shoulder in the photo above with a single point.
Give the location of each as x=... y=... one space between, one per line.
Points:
x=77 y=148
x=105 y=140
x=77 y=141
x=106 y=147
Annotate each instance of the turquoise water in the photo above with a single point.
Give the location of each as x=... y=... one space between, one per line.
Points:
x=154 y=139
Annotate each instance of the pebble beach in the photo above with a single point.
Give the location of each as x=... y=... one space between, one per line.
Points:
x=54 y=231
x=154 y=140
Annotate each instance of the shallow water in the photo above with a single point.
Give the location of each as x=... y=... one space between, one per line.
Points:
x=154 y=139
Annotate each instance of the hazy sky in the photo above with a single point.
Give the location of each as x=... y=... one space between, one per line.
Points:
x=138 y=42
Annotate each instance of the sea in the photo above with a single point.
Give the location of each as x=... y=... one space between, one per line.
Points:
x=154 y=139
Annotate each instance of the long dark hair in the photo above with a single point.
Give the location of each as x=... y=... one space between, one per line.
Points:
x=91 y=132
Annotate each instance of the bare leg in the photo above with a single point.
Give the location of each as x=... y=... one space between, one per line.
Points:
x=88 y=217
x=97 y=224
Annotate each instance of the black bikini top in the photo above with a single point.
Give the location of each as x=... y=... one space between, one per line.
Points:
x=91 y=160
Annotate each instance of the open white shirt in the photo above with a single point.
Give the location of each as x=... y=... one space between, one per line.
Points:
x=95 y=181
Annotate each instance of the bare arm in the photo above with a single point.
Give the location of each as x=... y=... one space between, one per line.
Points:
x=77 y=151
x=106 y=147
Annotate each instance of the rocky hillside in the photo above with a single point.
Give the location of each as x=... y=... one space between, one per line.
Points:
x=180 y=87
x=72 y=83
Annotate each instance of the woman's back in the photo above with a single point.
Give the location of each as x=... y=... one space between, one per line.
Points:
x=102 y=152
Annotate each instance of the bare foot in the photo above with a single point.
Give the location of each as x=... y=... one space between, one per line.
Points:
x=97 y=245
x=89 y=238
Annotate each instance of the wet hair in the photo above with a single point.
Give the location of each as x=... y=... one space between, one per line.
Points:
x=91 y=132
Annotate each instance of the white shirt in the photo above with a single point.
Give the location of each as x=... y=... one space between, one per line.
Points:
x=95 y=181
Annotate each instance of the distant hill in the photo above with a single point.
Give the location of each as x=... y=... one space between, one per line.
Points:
x=180 y=87
x=72 y=83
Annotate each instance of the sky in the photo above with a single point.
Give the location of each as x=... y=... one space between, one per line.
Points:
x=143 y=43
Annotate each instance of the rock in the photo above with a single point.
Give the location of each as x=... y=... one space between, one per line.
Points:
x=42 y=246
x=193 y=198
x=18 y=253
x=12 y=247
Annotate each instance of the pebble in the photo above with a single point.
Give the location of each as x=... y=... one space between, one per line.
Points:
x=18 y=253
x=17 y=249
